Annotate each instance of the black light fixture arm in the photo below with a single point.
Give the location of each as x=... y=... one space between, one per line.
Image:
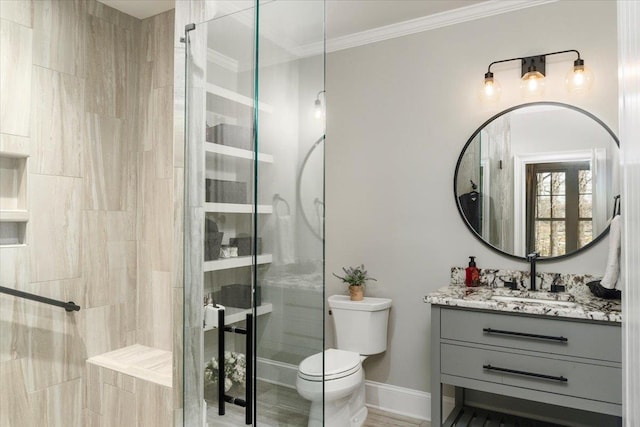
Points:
x=578 y=61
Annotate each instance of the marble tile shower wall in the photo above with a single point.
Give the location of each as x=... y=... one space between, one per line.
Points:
x=89 y=92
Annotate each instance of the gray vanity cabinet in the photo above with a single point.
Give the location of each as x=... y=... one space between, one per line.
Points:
x=564 y=362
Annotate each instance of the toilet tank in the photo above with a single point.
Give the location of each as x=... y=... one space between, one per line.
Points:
x=361 y=326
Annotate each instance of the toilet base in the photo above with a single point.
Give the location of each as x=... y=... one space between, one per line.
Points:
x=349 y=411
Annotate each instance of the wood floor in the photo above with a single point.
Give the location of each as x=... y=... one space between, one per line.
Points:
x=280 y=406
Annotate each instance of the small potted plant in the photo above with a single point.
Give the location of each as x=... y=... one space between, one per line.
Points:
x=355 y=277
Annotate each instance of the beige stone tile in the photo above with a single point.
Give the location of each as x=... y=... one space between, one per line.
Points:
x=161 y=307
x=94 y=260
x=18 y=11
x=53 y=343
x=147 y=40
x=64 y=404
x=178 y=125
x=162 y=109
x=91 y=419
x=93 y=379
x=103 y=330
x=15 y=145
x=119 y=407
x=145 y=125
x=123 y=284
x=163 y=32
x=154 y=309
x=156 y=127
x=156 y=219
x=153 y=404
x=15 y=78
x=132 y=184
x=38 y=404
x=139 y=361
x=55 y=227
x=12 y=183
x=111 y=15
x=14 y=406
x=14 y=266
x=58 y=123
x=177 y=348
x=178 y=228
x=121 y=255
x=111 y=62
x=126 y=60
x=101 y=77
x=59 y=39
x=121 y=226
x=106 y=164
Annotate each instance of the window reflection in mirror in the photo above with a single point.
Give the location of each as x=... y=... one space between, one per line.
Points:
x=538 y=177
x=559 y=207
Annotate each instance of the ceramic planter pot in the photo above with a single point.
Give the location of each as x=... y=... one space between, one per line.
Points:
x=356 y=292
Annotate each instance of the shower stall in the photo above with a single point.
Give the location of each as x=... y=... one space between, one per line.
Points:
x=254 y=210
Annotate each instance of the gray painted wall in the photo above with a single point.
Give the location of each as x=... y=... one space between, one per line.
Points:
x=399 y=112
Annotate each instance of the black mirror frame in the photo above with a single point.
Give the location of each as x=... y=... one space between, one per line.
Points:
x=477 y=131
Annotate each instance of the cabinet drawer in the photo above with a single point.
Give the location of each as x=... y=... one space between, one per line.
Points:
x=584 y=380
x=588 y=340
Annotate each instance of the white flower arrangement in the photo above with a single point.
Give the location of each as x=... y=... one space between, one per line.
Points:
x=235 y=369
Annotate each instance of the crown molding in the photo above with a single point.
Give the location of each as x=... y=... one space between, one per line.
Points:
x=426 y=23
x=223 y=61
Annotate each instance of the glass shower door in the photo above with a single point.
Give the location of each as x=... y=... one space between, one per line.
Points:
x=290 y=80
x=254 y=286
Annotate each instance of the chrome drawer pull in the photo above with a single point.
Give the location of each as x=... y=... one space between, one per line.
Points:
x=528 y=374
x=525 y=334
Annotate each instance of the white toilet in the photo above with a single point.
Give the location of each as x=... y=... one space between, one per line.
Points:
x=361 y=330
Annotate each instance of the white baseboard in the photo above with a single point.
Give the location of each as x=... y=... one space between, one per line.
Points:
x=402 y=401
x=386 y=397
x=275 y=372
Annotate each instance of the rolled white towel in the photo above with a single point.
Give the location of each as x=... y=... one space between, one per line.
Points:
x=285 y=250
x=612 y=271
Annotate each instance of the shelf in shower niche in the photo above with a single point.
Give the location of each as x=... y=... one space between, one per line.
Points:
x=235 y=262
x=236 y=97
x=233 y=314
x=236 y=208
x=212 y=149
x=14 y=215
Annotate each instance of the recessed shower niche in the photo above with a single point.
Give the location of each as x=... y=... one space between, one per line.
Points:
x=13 y=198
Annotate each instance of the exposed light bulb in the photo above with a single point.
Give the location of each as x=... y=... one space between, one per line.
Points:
x=318 y=108
x=579 y=78
x=490 y=90
x=532 y=84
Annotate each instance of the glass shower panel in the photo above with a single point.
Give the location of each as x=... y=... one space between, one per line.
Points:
x=219 y=212
x=254 y=208
x=290 y=86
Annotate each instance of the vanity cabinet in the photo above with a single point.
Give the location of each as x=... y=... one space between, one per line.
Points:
x=564 y=362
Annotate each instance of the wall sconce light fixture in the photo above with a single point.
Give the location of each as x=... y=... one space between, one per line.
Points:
x=318 y=105
x=578 y=80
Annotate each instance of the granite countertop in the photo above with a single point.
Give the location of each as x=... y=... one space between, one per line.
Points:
x=587 y=306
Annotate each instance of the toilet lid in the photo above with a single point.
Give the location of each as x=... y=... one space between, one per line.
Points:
x=337 y=364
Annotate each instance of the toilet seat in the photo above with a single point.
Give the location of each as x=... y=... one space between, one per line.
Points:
x=337 y=364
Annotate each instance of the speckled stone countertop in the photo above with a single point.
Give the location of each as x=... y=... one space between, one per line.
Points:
x=586 y=305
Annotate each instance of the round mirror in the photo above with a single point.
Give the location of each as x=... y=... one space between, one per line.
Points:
x=311 y=189
x=539 y=177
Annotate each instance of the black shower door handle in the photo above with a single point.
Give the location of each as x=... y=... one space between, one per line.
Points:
x=249 y=372
x=221 y=361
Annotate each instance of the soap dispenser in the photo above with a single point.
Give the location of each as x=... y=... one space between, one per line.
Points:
x=472 y=274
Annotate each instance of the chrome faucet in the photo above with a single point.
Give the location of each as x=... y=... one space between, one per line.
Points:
x=532 y=257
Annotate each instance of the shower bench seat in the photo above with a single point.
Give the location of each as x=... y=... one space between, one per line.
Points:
x=131 y=386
